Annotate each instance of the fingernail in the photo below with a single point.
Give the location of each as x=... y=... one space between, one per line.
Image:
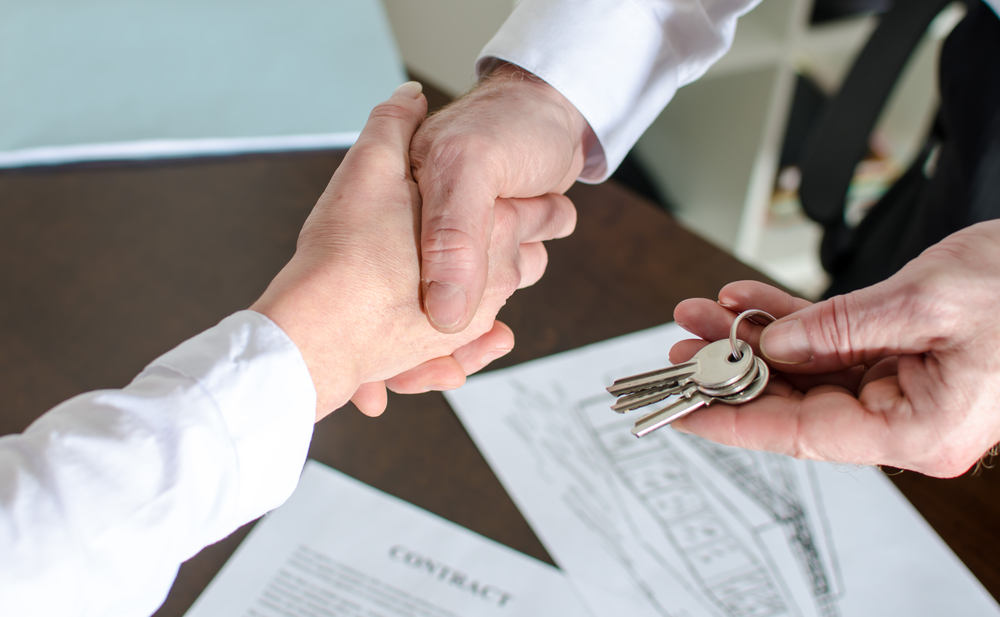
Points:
x=490 y=356
x=438 y=387
x=410 y=89
x=445 y=304
x=786 y=343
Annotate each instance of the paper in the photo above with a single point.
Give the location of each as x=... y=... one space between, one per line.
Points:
x=672 y=525
x=119 y=79
x=338 y=547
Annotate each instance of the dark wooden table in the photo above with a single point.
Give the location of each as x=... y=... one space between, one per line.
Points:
x=104 y=267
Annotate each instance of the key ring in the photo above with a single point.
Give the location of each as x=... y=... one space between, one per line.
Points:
x=736 y=353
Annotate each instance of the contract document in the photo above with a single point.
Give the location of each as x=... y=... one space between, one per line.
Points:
x=339 y=547
x=671 y=525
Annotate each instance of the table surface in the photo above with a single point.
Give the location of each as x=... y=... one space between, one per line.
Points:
x=104 y=267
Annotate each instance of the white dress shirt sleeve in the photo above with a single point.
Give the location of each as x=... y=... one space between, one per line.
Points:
x=103 y=497
x=618 y=61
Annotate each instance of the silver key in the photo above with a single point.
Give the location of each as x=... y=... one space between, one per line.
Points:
x=713 y=367
x=738 y=386
x=693 y=399
x=647 y=397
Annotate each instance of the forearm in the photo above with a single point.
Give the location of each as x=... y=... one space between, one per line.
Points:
x=105 y=496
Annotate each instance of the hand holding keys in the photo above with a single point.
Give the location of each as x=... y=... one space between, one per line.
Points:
x=726 y=371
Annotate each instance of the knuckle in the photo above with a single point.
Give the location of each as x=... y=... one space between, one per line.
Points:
x=451 y=246
x=934 y=301
x=835 y=331
x=506 y=219
x=459 y=154
x=509 y=282
x=797 y=447
x=393 y=109
x=376 y=154
x=534 y=265
x=567 y=218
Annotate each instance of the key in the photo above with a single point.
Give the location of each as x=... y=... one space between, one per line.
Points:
x=712 y=368
x=735 y=387
x=693 y=399
x=648 y=397
x=715 y=375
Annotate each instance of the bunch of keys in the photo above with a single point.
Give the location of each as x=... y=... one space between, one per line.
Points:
x=725 y=371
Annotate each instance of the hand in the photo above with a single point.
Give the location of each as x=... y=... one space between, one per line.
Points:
x=904 y=373
x=444 y=373
x=350 y=296
x=513 y=136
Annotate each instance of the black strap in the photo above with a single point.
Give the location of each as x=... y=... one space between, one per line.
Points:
x=841 y=137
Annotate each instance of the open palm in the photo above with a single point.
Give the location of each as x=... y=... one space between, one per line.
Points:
x=905 y=373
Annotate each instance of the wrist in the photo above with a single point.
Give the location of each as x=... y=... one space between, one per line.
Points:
x=320 y=326
x=499 y=77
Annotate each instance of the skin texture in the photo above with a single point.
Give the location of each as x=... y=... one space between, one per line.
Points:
x=512 y=136
x=903 y=373
x=350 y=296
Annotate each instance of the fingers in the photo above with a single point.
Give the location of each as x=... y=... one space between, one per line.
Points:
x=516 y=251
x=444 y=373
x=861 y=327
x=495 y=344
x=746 y=295
x=391 y=126
x=849 y=379
x=457 y=250
x=370 y=398
x=826 y=424
x=512 y=136
x=711 y=321
x=449 y=372
x=542 y=218
x=532 y=260
x=682 y=351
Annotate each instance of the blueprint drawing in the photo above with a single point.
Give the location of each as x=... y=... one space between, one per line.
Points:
x=671 y=525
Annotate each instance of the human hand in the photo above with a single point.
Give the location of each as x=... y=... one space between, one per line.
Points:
x=350 y=296
x=513 y=136
x=905 y=373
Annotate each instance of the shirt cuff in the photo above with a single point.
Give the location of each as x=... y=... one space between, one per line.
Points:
x=259 y=382
x=568 y=47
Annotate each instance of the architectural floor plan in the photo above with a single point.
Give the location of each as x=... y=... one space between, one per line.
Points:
x=670 y=525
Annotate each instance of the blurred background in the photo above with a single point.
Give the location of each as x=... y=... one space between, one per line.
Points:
x=723 y=156
x=115 y=79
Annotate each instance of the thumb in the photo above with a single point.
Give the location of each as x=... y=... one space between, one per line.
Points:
x=458 y=194
x=861 y=327
x=391 y=125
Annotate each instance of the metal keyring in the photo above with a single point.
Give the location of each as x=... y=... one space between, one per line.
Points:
x=737 y=354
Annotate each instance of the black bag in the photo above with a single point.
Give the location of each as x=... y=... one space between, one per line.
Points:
x=954 y=181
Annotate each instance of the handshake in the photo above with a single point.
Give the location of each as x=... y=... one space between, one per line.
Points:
x=430 y=224
x=353 y=297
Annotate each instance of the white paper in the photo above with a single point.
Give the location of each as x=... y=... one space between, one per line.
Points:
x=672 y=525
x=338 y=547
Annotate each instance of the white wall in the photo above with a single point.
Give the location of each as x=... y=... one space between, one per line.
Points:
x=440 y=39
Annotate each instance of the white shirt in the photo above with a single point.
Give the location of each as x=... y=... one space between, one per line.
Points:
x=618 y=61
x=103 y=497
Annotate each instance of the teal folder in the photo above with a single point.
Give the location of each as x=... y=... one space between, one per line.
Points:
x=117 y=79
